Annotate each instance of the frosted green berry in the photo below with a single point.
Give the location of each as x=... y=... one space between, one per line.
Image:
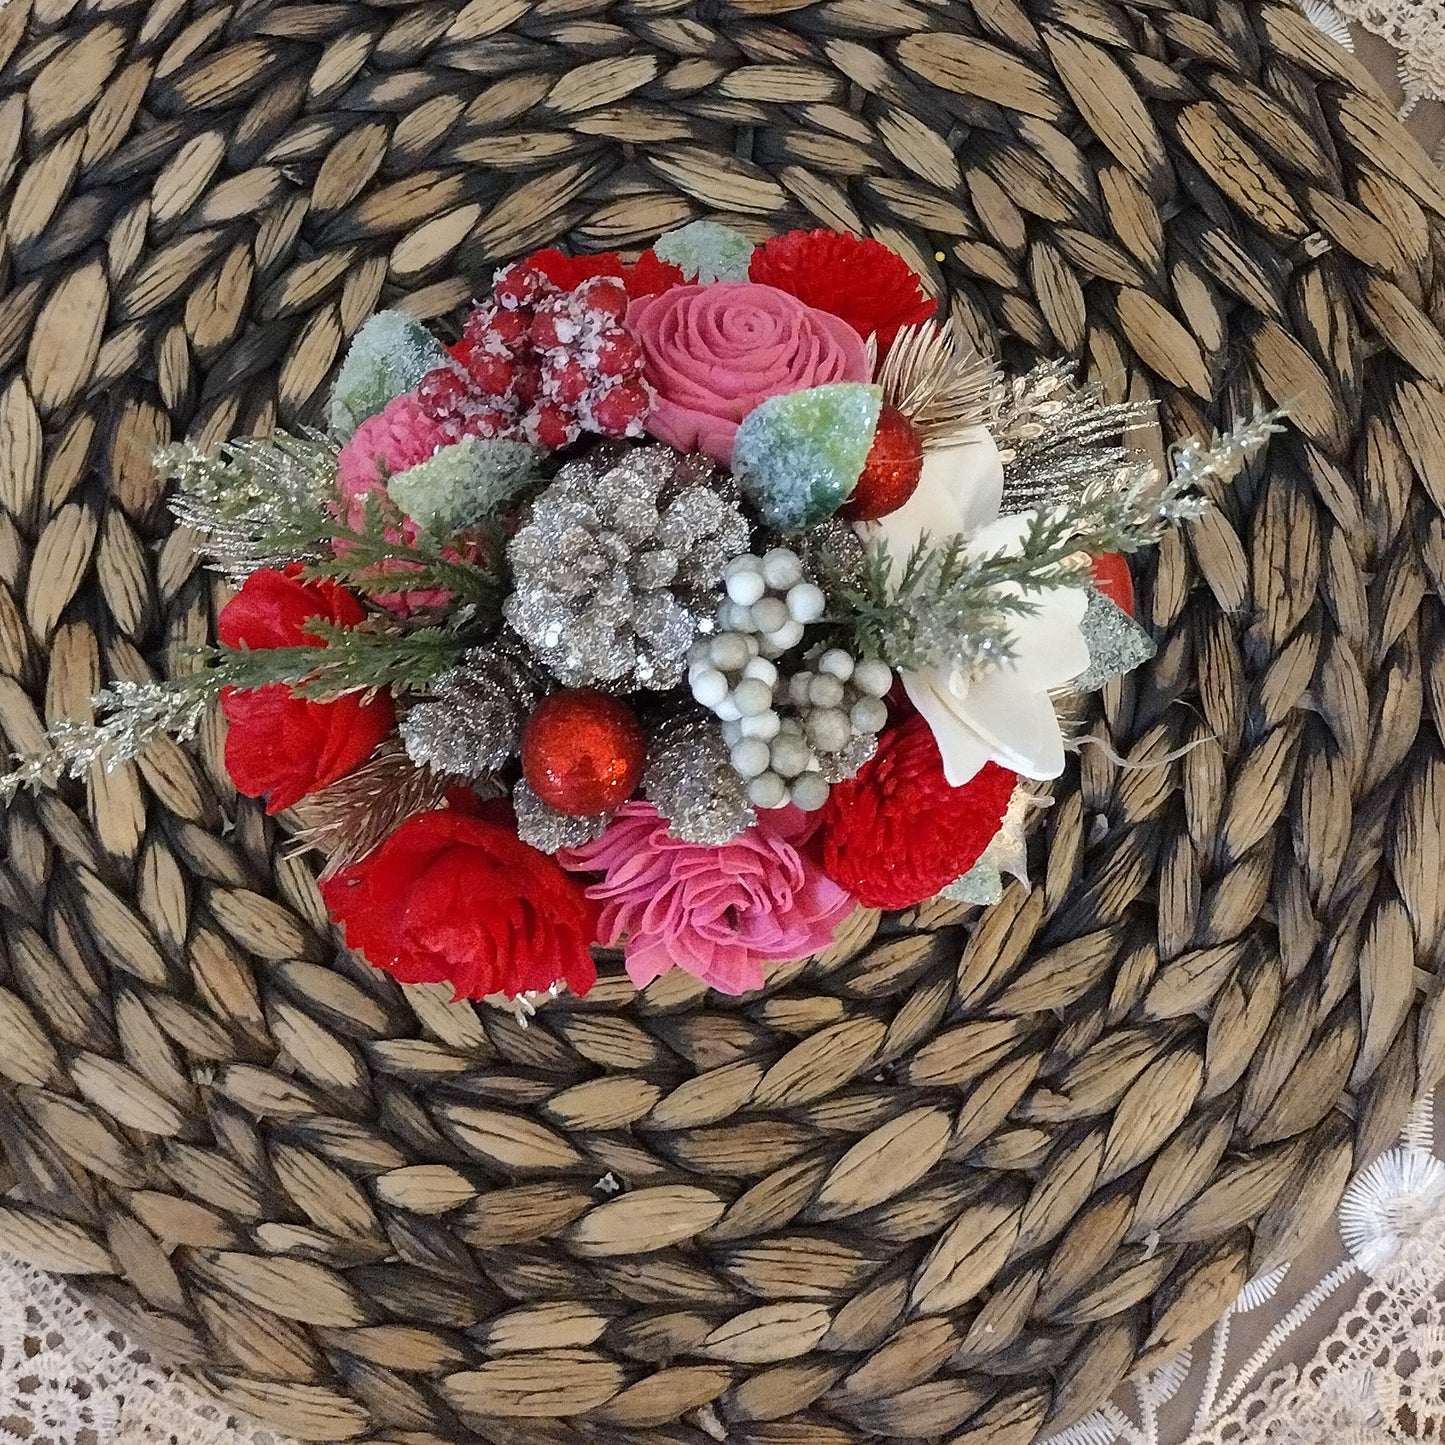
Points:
x=798 y=456
x=464 y=484
x=705 y=251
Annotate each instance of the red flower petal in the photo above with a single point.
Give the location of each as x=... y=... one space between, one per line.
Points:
x=869 y=286
x=272 y=610
x=282 y=745
x=644 y=277
x=1112 y=578
x=897 y=832
x=451 y=897
x=288 y=746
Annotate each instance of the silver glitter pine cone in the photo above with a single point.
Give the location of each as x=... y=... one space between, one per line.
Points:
x=690 y=780
x=472 y=724
x=618 y=563
x=541 y=826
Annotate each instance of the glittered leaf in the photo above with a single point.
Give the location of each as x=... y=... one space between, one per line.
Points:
x=541 y=826
x=463 y=484
x=388 y=357
x=705 y=251
x=1117 y=644
x=981 y=884
x=1007 y=852
x=798 y=456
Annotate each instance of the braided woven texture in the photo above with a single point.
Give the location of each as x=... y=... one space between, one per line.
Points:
x=955 y=1178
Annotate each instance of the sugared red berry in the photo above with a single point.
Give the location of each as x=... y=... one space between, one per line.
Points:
x=541 y=364
x=604 y=295
x=485 y=422
x=553 y=326
x=527 y=384
x=511 y=328
x=619 y=353
x=478 y=324
x=492 y=375
x=441 y=389
x=565 y=379
x=552 y=426
x=519 y=285
x=620 y=411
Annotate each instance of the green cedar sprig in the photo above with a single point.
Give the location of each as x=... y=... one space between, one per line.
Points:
x=952 y=605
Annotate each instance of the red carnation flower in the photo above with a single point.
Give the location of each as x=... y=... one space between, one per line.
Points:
x=280 y=744
x=452 y=897
x=897 y=833
x=644 y=277
x=869 y=286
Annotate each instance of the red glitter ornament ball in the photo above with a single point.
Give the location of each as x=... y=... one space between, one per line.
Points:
x=583 y=751
x=891 y=473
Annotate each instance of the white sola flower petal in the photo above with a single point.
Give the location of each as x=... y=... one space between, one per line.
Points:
x=1261 y=1288
x=1390 y=1205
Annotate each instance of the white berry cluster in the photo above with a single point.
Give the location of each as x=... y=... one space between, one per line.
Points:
x=787 y=736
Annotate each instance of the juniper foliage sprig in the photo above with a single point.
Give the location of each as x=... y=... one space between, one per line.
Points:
x=952 y=605
x=256 y=503
x=130 y=715
x=134 y=714
x=265 y=503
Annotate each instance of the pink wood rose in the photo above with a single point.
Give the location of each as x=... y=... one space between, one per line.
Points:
x=719 y=913
x=400 y=436
x=714 y=352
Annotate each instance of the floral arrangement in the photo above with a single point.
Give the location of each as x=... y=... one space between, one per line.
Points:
x=685 y=604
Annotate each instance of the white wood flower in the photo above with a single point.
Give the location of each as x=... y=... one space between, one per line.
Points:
x=1003 y=713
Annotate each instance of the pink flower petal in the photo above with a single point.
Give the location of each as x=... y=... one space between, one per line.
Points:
x=719 y=913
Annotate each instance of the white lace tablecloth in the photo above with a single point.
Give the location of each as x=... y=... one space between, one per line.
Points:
x=66 y=1378
x=1347 y=1349
x=1413 y=29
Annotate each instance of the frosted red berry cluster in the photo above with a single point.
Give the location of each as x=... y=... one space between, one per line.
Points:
x=543 y=365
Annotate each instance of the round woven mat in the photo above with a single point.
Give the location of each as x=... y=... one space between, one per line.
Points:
x=952 y=1180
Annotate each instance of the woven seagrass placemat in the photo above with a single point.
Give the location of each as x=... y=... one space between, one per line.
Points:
x=953 y=1179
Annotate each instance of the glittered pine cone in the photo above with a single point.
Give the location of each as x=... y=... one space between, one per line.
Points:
x=618 y=561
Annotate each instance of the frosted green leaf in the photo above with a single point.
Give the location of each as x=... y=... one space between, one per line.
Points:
x=983 y=884
x=388 y=357
x=463 y=484
x=797 y=457
x=1117 y=644
x=706 y=251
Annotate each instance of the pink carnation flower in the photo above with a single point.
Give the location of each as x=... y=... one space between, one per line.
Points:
x=399 y=436
x=720 y=913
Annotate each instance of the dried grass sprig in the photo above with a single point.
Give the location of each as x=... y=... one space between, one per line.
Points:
x=348 y=819
x=937 y=381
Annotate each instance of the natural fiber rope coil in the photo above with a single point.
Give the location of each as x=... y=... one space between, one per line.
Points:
x=939 y=1183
